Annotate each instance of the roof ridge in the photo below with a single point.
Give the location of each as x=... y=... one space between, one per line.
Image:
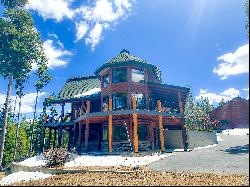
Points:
x=82 y=77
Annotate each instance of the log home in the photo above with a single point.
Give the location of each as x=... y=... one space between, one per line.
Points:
x=123 y=107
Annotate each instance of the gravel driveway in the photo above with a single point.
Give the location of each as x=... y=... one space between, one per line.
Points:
x=231 y=155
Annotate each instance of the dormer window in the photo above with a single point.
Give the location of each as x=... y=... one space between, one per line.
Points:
x=119 y=75
x=106 y=81
x=138 y=75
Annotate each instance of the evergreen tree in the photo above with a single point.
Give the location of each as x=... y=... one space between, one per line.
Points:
x=20 y=46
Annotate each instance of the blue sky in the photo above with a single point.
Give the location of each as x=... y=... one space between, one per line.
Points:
x=199 y=43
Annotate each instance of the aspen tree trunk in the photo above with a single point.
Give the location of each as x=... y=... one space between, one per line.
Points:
x=18 y=124
x=6 y=112
x=32 y=127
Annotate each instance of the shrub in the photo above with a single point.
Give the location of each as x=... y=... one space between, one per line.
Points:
x=56 y=157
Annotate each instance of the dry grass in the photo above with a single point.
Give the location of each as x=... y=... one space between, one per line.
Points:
x=141 y=177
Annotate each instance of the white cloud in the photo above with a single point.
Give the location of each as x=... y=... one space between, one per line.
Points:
x=100 y=16
x=57 y=56
x=216 y=98
x=234 y=63
x=91 y=18
x=55 y=9
x=55 y=52
x=28 y=101
x=81 y=29
x=95 y=35
x=247 y=90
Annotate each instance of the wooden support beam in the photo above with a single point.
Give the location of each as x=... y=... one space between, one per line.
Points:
x=61 y=128
x=161 y=126
x=183 y=128
x=135 y=126
x=151 y=135
x=100 y=137
x=49 y=138
x=80 y=138
x=70 y=137
x=87 y=128
x=54 y=142
x=110 y=127
x=74 y=135
x=180 y=102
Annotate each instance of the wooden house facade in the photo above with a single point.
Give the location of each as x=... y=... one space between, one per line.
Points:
x=123 y=107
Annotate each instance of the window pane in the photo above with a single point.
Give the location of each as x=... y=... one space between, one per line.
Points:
x=105 y=105
x=119 y=75
x=138 y=75
x=105 y=134
x=106 y=80
x=142 y=132
x=119 y=101
x=141 y=101
x=119 y=132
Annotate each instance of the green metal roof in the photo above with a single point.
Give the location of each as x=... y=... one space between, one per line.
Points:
x=125 y=58
x=79 y=85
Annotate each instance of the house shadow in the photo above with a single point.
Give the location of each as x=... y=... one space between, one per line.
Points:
x=238 y=149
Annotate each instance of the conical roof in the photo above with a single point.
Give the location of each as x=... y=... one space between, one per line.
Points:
x=124 y=58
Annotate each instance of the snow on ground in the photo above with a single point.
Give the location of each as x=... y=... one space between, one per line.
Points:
x=219 y=138
x=35 y=161
x=114 y=160
x=23 y=176
x=205 y=147
x=236 y=131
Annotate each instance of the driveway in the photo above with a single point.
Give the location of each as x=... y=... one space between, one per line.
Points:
x=231 y=155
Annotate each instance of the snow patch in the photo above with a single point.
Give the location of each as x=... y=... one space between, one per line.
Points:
x=219 y=138
x=35 y=161
x=236 y=131
x=90 y=92
x=22 y=176
x=205 y=147
x=114 y=160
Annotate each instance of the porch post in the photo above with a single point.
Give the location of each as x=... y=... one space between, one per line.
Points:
x=70 y=137
x=80 y=134
x=135 y=126
x=60 y=127
x=161 y=127
x=74 y=136
x=87 y=127
x=183 y=128
x=54 y=142
x=151 y=135
x=49 y=138
x=110 y=128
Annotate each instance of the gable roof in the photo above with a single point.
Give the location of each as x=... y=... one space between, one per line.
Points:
x=79 y=85
x=238 y=98
x=125 y=58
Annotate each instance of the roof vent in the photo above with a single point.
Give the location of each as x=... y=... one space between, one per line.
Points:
x=124 y=51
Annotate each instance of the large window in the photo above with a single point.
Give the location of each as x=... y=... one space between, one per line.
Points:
x=105 y=104
x=138 y=75
x=142 y=132
x=119 y=133
x=119 y=101
x=106 y=80
x=119 y=75
x=140 y=100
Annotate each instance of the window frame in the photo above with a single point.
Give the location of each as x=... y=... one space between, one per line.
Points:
x=138 y=69
x=120 y=68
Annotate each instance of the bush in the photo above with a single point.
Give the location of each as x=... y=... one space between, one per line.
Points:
x=56 y=157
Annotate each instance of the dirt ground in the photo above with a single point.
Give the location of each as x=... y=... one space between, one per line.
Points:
x=140 y=177
x=2 y=175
